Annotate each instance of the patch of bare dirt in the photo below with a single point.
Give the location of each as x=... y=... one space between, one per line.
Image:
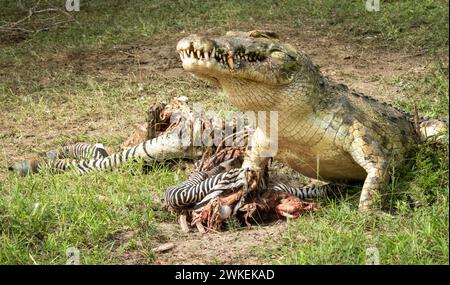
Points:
x=359 y=65
x=239 y=246
x=7 y=39
x=157 y=55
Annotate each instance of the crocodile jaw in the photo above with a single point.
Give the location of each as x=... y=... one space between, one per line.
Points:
x=238 y=55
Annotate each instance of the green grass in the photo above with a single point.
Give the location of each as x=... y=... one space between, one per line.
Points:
x=111 y=217
x=414 y=225
x=401 y=24
x=43 y=215
x=414 y=229
x=434 y=85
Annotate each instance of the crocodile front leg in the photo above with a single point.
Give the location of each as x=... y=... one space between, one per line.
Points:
x=258 y=152
x=255 y=163
x=246 y=179
x=369 y=155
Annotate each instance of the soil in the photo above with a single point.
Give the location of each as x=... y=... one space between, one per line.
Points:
x=237 y=246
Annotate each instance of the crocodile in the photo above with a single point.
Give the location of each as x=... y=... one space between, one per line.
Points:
x=326 y=130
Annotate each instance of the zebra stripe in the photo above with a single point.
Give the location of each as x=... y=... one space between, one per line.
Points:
x=199 y=189
x=161 y=148
x=78 y=151
x=175 y=143
x=194 y=190
x=303 y=192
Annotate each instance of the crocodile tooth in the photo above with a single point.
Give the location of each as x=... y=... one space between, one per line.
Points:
x=191 y=54
x=199 y=54
x=213 y=53
x=230 y=61
x=206 y=55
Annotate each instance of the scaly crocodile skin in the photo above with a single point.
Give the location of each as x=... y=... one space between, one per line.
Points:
x=326 y=131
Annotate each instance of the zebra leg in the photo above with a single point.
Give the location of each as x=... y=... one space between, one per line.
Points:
x=310 y=191
x=194 y=189
x=78 y=151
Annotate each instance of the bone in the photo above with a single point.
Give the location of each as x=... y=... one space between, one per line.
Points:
x=164 y=247
x=200 y=227
x=183 y=223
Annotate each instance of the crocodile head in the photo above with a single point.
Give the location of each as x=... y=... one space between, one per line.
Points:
x=256 y=56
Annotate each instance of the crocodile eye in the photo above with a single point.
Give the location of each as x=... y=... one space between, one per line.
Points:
x=278 y=55
x=263 y=34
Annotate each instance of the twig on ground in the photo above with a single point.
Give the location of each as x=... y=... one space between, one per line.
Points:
x=16 y=26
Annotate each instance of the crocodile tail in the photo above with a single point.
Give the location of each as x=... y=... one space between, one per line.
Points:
x=433 y=129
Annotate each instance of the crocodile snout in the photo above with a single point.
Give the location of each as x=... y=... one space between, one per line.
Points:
x=196 y=49
x=196 y=43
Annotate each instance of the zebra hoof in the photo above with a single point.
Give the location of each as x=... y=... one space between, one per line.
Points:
x=24 y=167
x=52 y=154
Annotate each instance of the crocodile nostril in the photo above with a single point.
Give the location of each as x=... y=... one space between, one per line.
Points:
x=184 y=44
x=203 y=44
